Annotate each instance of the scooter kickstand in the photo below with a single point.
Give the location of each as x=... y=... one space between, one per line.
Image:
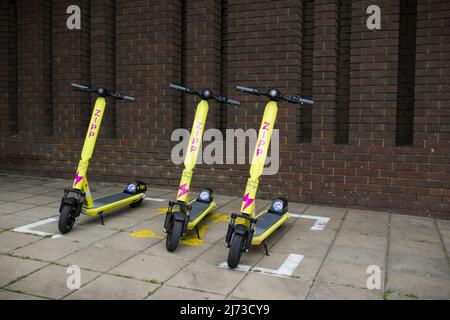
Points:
x=266 y=249
x=198 y=233
x=101 y=220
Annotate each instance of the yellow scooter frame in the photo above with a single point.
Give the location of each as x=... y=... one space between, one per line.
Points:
x=83 y=202
x=247 y=228
x=190 y=213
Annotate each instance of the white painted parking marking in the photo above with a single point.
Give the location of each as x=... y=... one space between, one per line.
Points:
x=29 y=228
x=284 y=271
x=320 y=224
x=154 y=199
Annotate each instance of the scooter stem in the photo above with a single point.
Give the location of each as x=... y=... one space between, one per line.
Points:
x=259 y=158
x=89 y=142
x=194 y=146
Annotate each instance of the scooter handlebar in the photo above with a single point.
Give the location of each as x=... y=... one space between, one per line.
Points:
x=80 y=87
x=298 y=100
x=248 y=90
x=180 y=88
x=228 y=101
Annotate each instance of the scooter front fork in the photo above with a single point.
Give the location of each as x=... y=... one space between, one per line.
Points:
x=181 y=215
x=249 y=230
x=76 y=202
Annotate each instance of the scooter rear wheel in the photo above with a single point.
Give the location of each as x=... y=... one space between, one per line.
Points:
x=66 y=219
x=173 y=237
x=234 y=255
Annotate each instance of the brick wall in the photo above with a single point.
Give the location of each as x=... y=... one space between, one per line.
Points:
x=378 y=136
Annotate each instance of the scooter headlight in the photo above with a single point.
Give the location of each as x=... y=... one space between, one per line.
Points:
x=204 y=195
x=277 y=206
x=131 y=188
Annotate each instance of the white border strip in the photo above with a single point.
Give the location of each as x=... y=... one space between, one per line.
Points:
x=284 y=271
x=319 y=225
x=154 y=199
x=28 y=228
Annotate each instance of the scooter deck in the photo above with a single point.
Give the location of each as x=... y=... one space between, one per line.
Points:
x=266 y=224
x=198 y=212
x=111 y=202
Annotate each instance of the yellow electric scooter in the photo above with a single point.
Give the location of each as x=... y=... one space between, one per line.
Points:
x=78 y=198
x=247 y=229
x=188 y=214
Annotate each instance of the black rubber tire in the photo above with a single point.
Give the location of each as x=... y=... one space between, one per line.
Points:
x=173 y=237
x=234 y=255
x=66 y=219
x=137 y=203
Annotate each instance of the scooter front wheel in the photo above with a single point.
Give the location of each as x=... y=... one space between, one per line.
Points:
x=234 y=255
x=66 y=219
x=173 y=237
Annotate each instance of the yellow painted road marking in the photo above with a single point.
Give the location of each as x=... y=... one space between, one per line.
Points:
x=145 y=234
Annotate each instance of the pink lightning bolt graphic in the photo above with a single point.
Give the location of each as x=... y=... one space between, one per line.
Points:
x=78 y=178
x=183 y=190
x=248 y=200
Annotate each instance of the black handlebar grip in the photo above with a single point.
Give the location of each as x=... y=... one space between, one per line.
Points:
x=180 y=88
x=300 y=101
x=228 y=101
x=247 y=90
x=233 y=102
x=80 y=87
x=129 y=98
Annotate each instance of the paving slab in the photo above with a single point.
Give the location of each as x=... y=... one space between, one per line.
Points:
x=422 y=287
x=12 y=221
x=50 y=282
x=258 y=286
x=108 y=287
x=48 y=249
x=326 y=291
x=58 y=183
x=11 y=207
x=362 y=226
x=304 y=247
x=420 y=265
x=172 y=293
x=97 y=258
x=361 y=240
x=125 y=241
x=412 y=228
x=354 y=214
x=419 y=248
x=183 y=251
x=150 y=268
x=204 y=277
x=358 y=255
x=38 y=213
x=10 y=240
x=346 y=274
x=325 y=236
x=443 y=225
x=40 y=190
x=13 y=268
x=14 y=196
x=324 y=211
x=11 y=295
x=86 y=234
x=38 y=200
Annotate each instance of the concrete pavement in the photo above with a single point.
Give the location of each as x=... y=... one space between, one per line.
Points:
x=320 y=253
